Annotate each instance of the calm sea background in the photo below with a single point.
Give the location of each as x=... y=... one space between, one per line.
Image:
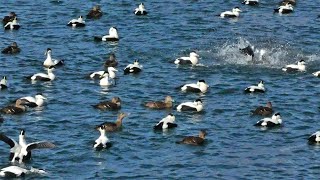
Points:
x=234 y=148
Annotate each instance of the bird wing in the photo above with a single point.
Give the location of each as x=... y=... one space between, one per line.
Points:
x=8 y=140
x=40 y=145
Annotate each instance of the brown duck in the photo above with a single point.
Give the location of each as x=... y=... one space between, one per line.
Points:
x=113 y=126
x=18 y=108
x=111 y=62
x=167 y=103
x=263 y=111
x=114 y=104
x=94 y=13
x=12 y=49
x=194 y=140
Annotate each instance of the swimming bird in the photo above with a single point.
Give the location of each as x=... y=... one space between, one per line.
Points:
x=12 y=49
x=9 y=18
x=247 y=51
x=194 y=140
x=231 y=14
x=17 y=108
x=259 y=88
x=114 y=126
x=251 y=2
x=111 y=62
x=300 y=66
x=51 y=62
x=36 y=101
x=133 y=68
x=97 y=75
x=292 y=2
x=200 y=86
x=104 y=81
x=192 y=59
x=314 y=138
x=284 y=9
x=102 y=142
x=167 y=103
x=166 y=123
x=140 y=10
x=275 y=120
x=12 y=25
x=43 y=77
x=16 y=171
x=95 y=13
x=77 y=22
x=264 y=111
x=191 y=106
x=317 y=73
x=112 y=36
x=4 y=83
x=114 y=104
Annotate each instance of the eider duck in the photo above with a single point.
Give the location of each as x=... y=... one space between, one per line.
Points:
x=36 y=101
x=9 y=18
x=102 y=142
x=259 y=88
x=4 y=83
x=17 y=108
x=247 y=51
x=113 y=126
x=299 y=67
x=95 y=13
x=200 y=87
x=284 y=9
x=97 y=75
x=263 y=111
x=111 y=62
x=51 y=62
x=314 y=138
x=292 y=2
x=43 y=77
x=114 y=104
x=104 y=81
x=251 y=2
x=77 y=22
x=194 y=140
x=12 y=25
x=12 y=49
x=191 y=106
x=231 y=14
x=167 y=103
x=22 y=151
x=317 y=73
x=166 y=123
x=133 y=68
x=16 y=171
x=275 y=120
x=192 y=59
x=141 y=10
x=112 y=36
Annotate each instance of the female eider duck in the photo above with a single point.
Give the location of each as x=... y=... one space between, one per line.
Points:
x=231 y=14
x=263 y=111
x=4 y=83
x=133 y=68
x=314 y=138
x=275 y=120
x=300 y=66
x=36 y=101
x=192 y=59
x=259 y=88
x=102 y=142
x=16 y=171
x=194 y=140
x=251 y=2
x=292 y=2
x=166 y=123
x=77 y=22
x=191 y=106
x=141 y=10
x=51 y=62
x=112 y=36
x=114 y=126
x=22 y=151
x=95 y=13
x=284 y=9
x=43 y=77
x=111 y=62
x=200 y=86
x=167 y=103
x=9 y=18
x=12 y=49
x=17 y=108
x=114 y=104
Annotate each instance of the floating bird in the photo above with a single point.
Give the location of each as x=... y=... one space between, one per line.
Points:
x=166 y=123
x=194 y=140
x=77 y=22
x=17 y=108
x=299 y=67
x=16 y=171
x=263 y=111
x=12 y=49
x=275 y=120
x=133 y=68
x=104 y=81
x=113 y=126
x=251 y=2
x=231 y=14
x=112 y=36
x=247 y=51
x=9 y=18
x=284 y=9
x=12 y=25
x=95 y=13
x=97 y=75
x=317 y=73
x=167 y=103
x=192 y=59
x=191 y=106
x=4 y=83
x=102 y=142
x=51 y=62
x=315 y=137
x=43 y=77
x=111 y=62
x=259 y=88
x=200 y=86
x=36 y=101
x=114 y=104
x=292 y=2
x=140 y=10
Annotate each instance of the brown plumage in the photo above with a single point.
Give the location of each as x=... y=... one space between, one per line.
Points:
x=263 y=111
x=111 y=62
x=94 y=13
x=194 y=140
x=12 y=49
x=284 y=2
x=114 y=104
x=167 y=103
x=18 y=108
x=114 y=126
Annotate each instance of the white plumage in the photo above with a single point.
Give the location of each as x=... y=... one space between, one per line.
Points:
x=16 y=171
x=191 y=106
x=300 y=66
x=259 y=88
x=38 y=100
x=192 y=59
x=104 y=81
x=234 y=13
x=103 y=141
x=270 y=122
x=44 y=77
x=200 y=86
x=51 y=62
x=77 y=22
x=113 y=34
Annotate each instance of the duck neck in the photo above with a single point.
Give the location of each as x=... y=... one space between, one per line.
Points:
x=119 y=121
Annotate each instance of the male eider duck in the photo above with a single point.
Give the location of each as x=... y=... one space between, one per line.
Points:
x=111 y=62
x=259 y=88
x=4 y=83
x=114 y=104
x=9 y=18
x=133 y=68
x=12 y=49
x=13 y=25
x=16 y=171
x=141 y=10
x=99 y=74
x=191 y=106
x=77 y=22
x=231 y=14
x=51 y=62
x=247 y=51
x=200 y=87
x=36 y=101
x=112 y=36
x=314 y=138
x=43 y=77
x=114 y=126
x=167 y=103
x=275 y=120
x=299 y=67
x=284 y=9
x=251 y=2
x=317 y=73
x=102 y=142
x=166 y=123
x=22 y=151
x=192 y=59
x=263 y=111
x=194 y=140
x=95 y=13
x=104 y=81
x=17 y=108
